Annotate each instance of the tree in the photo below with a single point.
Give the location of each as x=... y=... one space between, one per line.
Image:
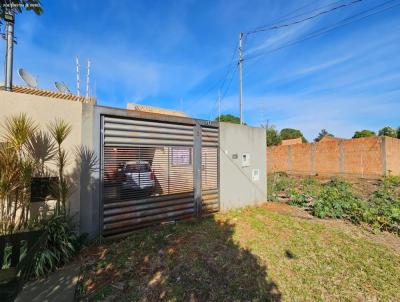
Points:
x=398 y=132
x=388 y=131
x=322 y=134
x=18 y=6
x=229 y=118
x=273 y=136
x=290 y=133
x=364 y=133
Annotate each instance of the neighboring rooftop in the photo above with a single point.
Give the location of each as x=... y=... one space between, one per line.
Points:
x=328 y=138
x=157 y=110
x=51 y=94
x=293 y=141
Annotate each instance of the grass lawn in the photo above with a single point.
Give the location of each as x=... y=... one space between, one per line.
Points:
x=253 y=254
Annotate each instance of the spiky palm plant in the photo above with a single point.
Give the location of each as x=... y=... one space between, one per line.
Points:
x=18 y=131
x=59 y=130
x=9 y=182
x=41 y=148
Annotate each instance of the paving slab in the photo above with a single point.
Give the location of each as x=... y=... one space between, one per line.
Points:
x=57 y=287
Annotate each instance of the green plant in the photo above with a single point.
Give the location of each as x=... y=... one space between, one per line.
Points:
x=337 y=200
x=305 y=194
x=278 y=183
x=61 y=245
x=388 y=131
x=16 y=169
x=383 y=212
x=322 y=134
x=60 y=130
x=228 y=118
x=273 y=136
x=310 y=181
x=290 y=133
x=18 y=6
x=364 y=133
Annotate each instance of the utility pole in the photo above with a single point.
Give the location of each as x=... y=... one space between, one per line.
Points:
x=9 y=18
x=241 y=35
x=219 y=105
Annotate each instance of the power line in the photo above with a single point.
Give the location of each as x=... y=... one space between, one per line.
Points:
x=221 y=97
x=220 y=83
x=327 y=29
x=286 y=18
x=305 y=19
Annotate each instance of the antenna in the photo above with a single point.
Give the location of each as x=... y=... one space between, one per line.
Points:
x=62 y=87
x=87 y=78
x=29 y=79
x=77 y=77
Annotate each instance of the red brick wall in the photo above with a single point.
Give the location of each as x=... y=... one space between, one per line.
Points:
x=326 y=157
x=277 y=157
x=363 y=157
x=301 y=158
x=392 y=156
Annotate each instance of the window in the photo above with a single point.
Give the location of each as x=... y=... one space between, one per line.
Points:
x=137 y=167
x=181 y=156
x=41 y=188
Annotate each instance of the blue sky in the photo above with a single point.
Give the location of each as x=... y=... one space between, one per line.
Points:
x=169 y=53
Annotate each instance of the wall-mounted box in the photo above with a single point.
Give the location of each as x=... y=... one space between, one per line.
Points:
x=245 y=159
x=255 y=174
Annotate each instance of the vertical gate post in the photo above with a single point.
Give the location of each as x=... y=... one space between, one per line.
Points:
x=197 y=169
x=101 y=201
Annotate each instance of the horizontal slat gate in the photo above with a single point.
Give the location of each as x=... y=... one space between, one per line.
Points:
x=209 y=174
x=148 y=176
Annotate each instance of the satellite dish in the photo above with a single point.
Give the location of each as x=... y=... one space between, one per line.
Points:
x=62 y=87
x=29 y=79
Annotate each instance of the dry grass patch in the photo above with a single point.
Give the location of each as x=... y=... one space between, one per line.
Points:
x=257 y=254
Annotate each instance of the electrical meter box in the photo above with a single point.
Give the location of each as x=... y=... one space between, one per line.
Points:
x=245 y=159
x=255 y=174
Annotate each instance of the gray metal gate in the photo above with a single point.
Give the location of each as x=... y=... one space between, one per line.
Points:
x=156 y=171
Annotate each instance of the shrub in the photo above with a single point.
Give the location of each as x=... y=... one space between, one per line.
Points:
x=299 y=198
x=383 y=212
x=310 y=181
x=61 y=245
x=337 y=200
x=278 y=183
x=306 y=193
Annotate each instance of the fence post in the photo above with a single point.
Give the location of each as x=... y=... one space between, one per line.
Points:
x=383 y=155
x=341 y=157
x=313 y=172
x=269 y=160
x=197 y=169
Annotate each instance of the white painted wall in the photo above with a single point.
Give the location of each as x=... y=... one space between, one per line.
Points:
x=238 y=188
x=44 y=110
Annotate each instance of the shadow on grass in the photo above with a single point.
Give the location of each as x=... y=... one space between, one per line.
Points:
x=189 y=261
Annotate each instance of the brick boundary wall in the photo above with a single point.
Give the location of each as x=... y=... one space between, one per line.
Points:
x=370 y=157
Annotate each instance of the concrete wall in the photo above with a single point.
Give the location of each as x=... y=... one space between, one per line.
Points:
x=392 y=148
x=237 y=187
x=370 y=157
x=44 y=110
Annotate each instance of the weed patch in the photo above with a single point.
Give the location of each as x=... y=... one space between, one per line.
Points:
x=338 y=199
